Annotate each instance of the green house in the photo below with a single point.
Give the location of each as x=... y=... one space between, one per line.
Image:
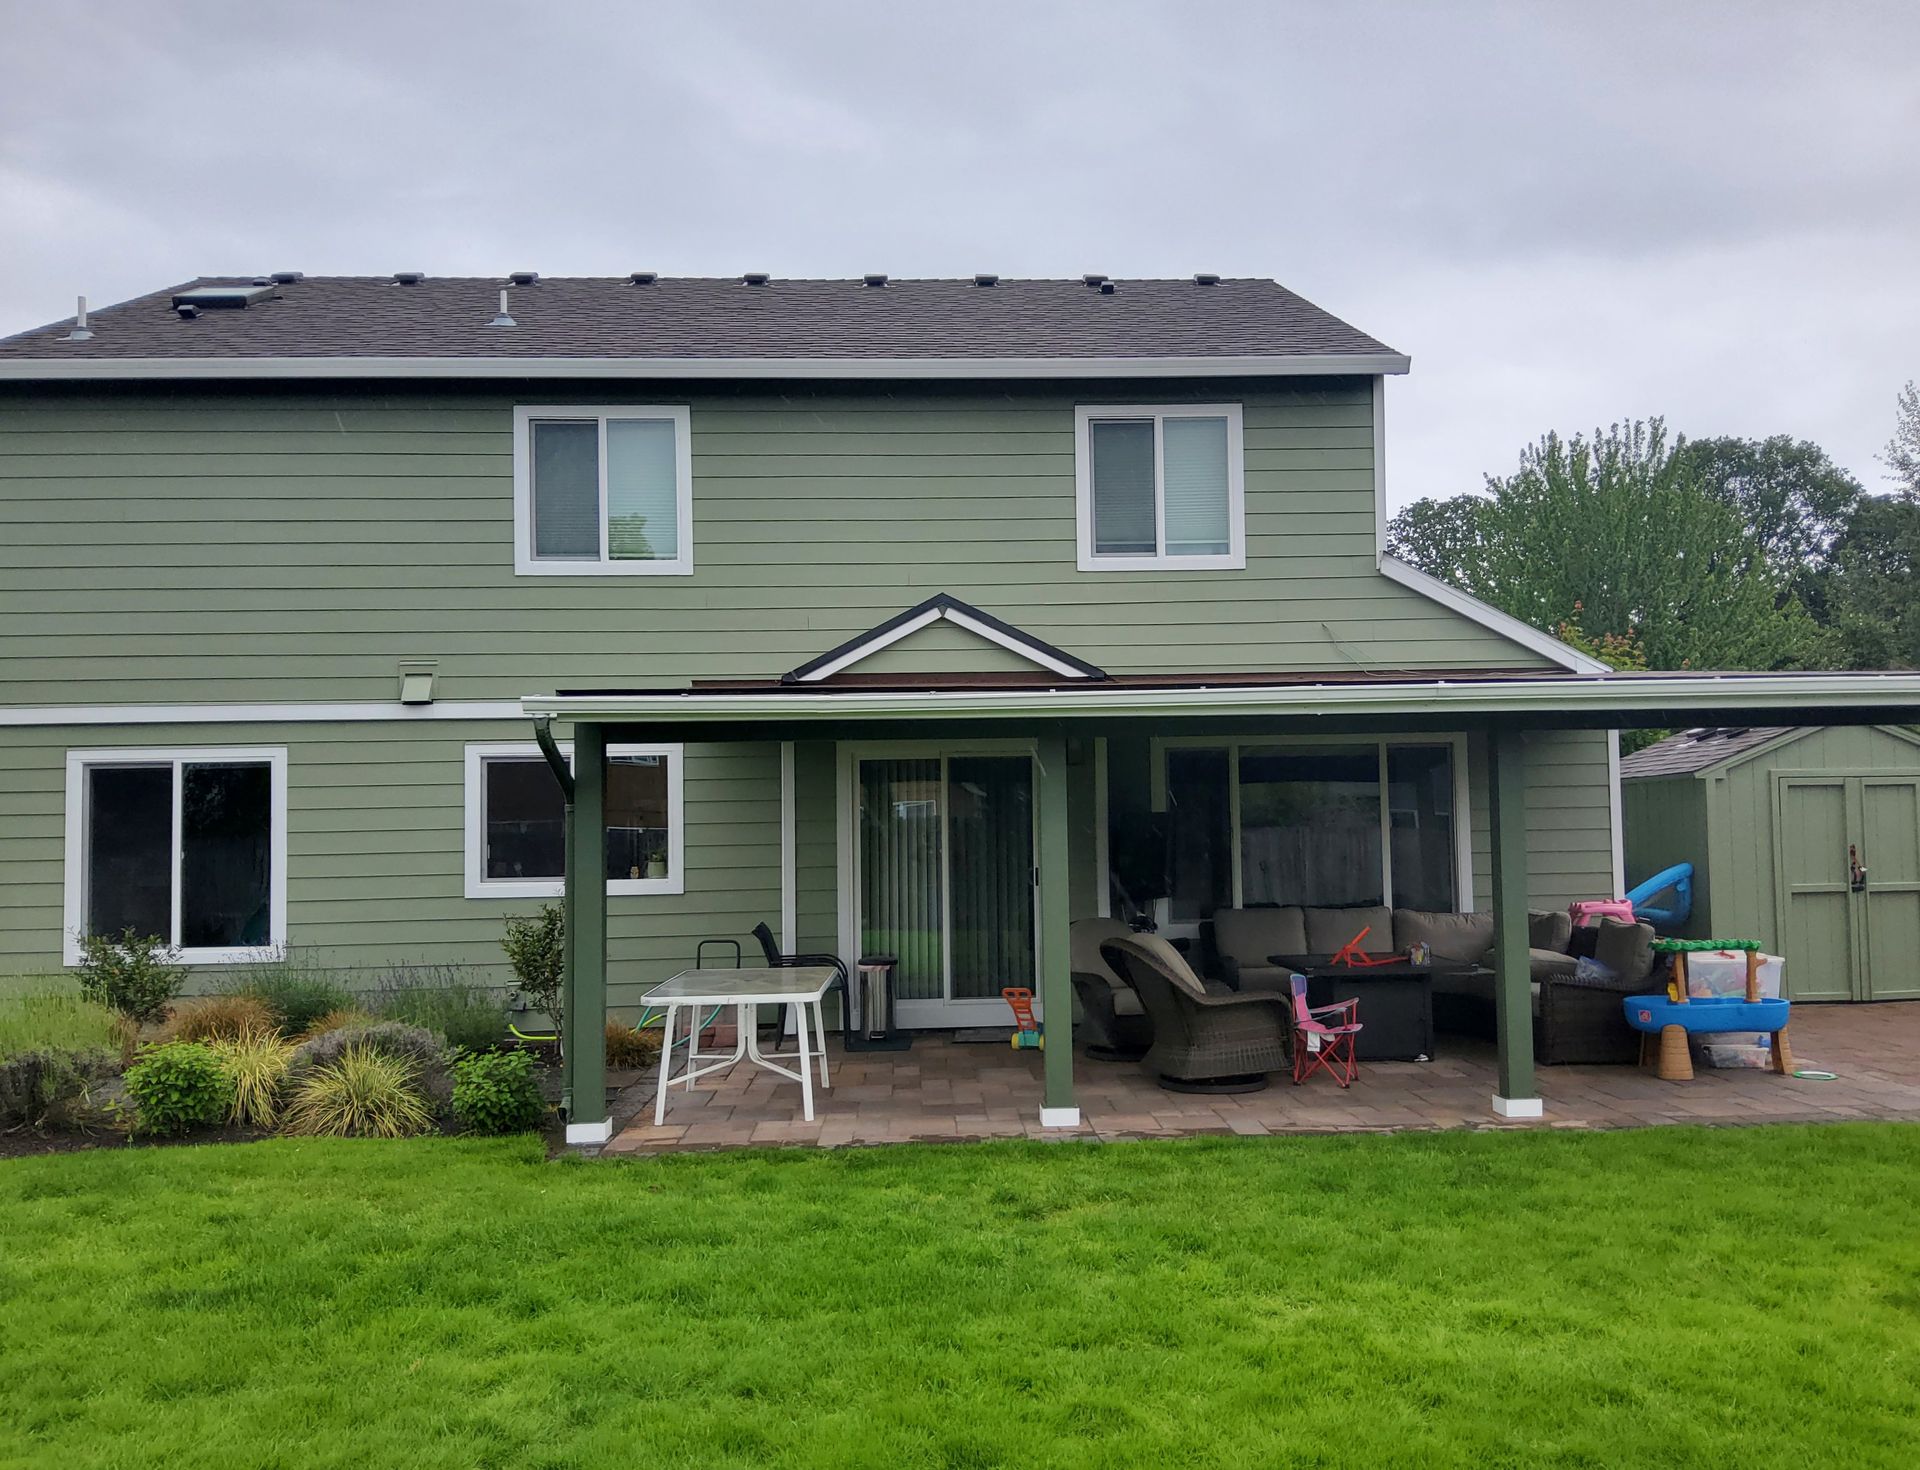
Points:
x=916 y=615
x=1806 y=838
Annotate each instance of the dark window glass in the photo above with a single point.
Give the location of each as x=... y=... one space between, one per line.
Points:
x=1123 y=496
x=637 y=816
x=1420 y=801
x=1199 y=835
x=566 y=490
x=1310 y=826
x=129 y=812
x=226 y=856
x=526 y=820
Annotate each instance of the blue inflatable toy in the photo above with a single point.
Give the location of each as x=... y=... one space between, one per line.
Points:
x=1665 y=917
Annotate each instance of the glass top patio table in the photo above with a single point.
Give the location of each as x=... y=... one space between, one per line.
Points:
x=743 y=987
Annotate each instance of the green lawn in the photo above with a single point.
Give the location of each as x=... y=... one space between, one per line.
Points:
x=1453 y=1299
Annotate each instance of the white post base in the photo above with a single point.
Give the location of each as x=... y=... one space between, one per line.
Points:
x=1059 y=1117
x=1519 y=1107
x=589 y=1135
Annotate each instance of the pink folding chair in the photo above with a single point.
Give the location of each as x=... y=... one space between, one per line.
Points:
x=1318 y=1046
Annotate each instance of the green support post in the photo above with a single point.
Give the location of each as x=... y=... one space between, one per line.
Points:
x=589 y=1122
x=1513 y=992
x=1055 y=915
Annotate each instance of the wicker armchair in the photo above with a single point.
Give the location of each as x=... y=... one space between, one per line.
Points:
x=1203 y=1040
x=1114 y=1014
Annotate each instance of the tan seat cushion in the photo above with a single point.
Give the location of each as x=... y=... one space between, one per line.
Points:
x=1329 y=929
x=1171 y=962
x=1465 y=938
x=1248 y=936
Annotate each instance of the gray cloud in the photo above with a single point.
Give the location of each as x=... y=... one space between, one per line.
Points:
x=1567 y=214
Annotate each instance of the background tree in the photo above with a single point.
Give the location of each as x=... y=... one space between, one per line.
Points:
x=1618 y=535
x=1902 y=456
x=1875 y=593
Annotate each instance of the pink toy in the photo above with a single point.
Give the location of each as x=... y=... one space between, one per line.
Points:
x=1588 y=912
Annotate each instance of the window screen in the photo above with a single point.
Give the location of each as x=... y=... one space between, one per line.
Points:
x=566 y=489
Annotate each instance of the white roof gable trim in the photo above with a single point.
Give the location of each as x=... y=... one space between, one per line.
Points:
x=1506 y=625
x=950 y=610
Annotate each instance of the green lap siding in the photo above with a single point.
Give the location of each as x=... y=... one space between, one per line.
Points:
x=376 y=848
x=244 y=543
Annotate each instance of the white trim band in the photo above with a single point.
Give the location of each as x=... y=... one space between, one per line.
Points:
x=876 y=642
x=1319 y=364
x=589 y=1135
x=1059 y=1117
x=1519 y=1107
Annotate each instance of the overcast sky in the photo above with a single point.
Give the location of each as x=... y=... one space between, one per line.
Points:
x=1566 y=214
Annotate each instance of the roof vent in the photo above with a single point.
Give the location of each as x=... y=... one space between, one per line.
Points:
x=81 y=331
x=186 y=312
x=874 y=278
x=1106 y=288
x=644 y=278
x=523 y=278
x=287 y=278
x=756 y=278
x=1205 y=278
x=229 y=297
x=409 y=278
x=986 y=280
x=1094 y=280
x=502 y=319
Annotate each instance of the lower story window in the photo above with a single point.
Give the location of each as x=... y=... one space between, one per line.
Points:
x=1317 y=825
x=516 y=822
x=189 y=846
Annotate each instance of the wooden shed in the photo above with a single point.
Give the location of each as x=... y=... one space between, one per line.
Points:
x=1805 y=838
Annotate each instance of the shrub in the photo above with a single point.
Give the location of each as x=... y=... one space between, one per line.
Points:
x=255 y=1064
x=365 y=1094
x=218 y=1018
x=630 y=1046
x=346 y=1019
x=536 y=947
x=136 y=974
x=416 y=1046
x=441 y=998
x=495 y=1092
x=178 y=1086
x=296 y=988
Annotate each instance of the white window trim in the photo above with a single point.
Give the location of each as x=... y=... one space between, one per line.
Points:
x=526 y=564
x=79 y=762
x=1455 y=741
x=481 y=886
x=1235 y=558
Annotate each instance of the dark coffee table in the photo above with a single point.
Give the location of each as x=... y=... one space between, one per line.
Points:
x=1396 y=1000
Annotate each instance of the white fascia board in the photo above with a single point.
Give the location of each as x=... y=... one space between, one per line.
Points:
x=53 y=369
x=1793 y=694
x=1505 y=624
x=270 y=714
x=864 y=650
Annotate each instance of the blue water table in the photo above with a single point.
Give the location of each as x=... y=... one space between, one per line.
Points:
x=1676 y=1015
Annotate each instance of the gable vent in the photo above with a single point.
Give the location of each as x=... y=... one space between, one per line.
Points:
x=524 y=278
x=874 y=278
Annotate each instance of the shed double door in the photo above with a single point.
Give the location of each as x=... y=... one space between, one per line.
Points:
x=1847 y=852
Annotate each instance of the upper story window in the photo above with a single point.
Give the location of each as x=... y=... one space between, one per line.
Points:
x=602 y=491
x=1160 y=486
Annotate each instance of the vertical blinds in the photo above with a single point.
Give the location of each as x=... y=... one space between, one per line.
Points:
x=900 y=872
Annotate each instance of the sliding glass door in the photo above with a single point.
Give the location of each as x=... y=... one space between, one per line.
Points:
x=944 y=852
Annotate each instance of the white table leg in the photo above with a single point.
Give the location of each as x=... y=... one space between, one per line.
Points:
x=693 y=1046
x=820 y=1040
x=806 y=1064
x=666 y=1057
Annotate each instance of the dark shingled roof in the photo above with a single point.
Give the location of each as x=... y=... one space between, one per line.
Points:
x=1696 y=750
x=705 y=318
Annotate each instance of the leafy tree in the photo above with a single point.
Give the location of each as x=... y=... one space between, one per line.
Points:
x=1617 y=534
x=1795 y=500
x=1875 y=596
x=1902 y=456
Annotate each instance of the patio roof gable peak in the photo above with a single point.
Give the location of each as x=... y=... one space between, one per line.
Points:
x=943 y=608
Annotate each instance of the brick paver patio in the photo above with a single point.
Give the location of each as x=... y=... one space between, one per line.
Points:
x=944 y=1090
